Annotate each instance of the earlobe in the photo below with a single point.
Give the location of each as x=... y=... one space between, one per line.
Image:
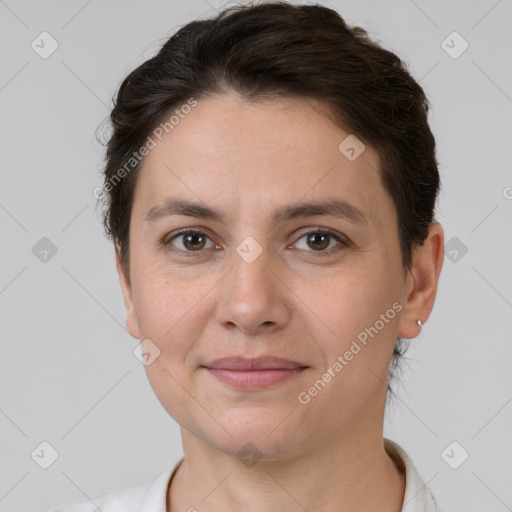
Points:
x=422 y=282
x=132 y=323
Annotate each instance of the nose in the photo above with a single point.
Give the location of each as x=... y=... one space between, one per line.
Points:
x=253 y=296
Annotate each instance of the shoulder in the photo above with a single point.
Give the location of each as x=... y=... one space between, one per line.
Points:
x=149 y=496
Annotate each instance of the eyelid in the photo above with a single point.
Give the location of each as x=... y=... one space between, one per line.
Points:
x=318 y=229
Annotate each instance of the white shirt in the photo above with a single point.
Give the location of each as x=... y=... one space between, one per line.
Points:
x=151 y=496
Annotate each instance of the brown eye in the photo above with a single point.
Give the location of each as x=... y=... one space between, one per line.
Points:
x=320 y=240
x=194 y=241
x=191 y=241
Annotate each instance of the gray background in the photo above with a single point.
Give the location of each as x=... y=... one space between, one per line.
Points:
x=67 y=369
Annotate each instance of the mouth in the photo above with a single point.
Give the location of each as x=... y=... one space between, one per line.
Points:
x=256 y=373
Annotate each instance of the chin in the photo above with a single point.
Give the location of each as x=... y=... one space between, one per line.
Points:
x=256 y=436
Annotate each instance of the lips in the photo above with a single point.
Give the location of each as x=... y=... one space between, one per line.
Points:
x=236 y=363
x=252 y=374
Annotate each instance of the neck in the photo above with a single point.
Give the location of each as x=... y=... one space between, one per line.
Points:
x=355 y=471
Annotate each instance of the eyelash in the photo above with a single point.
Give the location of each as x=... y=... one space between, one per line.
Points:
x=167 y=243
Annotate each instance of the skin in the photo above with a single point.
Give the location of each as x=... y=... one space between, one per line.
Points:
x=247 y=159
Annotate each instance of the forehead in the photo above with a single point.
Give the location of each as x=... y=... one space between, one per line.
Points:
x=228 y=150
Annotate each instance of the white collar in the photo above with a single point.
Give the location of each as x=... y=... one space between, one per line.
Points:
x=417 y=497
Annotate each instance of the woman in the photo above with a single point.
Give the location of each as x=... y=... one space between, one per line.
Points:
x=270 y=184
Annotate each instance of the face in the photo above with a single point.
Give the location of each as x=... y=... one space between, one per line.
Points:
x=251 y=284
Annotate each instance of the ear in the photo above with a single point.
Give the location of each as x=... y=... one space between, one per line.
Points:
x=422 y=281
x=132 y=322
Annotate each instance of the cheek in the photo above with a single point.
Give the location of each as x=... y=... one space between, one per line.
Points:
x=173 y=309
x=165 y=300
x=347 y=300
x=169 y=315
x=352 y=328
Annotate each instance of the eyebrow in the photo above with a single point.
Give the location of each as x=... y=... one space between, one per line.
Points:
x=332 y=207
